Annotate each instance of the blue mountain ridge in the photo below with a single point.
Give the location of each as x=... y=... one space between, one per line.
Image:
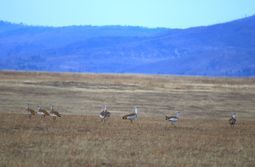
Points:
x=226 y=49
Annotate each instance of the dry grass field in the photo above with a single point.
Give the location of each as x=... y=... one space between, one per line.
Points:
x=202 y=136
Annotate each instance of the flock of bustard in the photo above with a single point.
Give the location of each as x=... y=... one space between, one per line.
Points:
x=42 y=112
x=104 y=114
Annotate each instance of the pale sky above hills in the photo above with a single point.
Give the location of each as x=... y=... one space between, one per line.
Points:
x=148 y=13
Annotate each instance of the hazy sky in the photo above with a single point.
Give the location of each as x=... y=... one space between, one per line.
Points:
x=148 y=13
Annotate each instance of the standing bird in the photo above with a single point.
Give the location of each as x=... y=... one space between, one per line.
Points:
x=104 y=114
x=132 y=116
x=173 y=119
x=54 y=113
x=30 y=111
x=42 y=112
x=232 y=120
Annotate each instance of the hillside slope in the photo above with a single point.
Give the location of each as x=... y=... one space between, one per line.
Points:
x=219 y=50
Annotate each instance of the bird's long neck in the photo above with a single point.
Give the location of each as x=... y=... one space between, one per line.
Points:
x=177 y=114
x=136 y=110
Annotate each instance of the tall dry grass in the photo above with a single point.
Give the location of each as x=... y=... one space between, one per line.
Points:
x=86 y=141
x=202 y=137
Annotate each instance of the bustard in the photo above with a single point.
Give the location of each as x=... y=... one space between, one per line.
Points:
x=54 y=113
x=30 y=111
x=232 y=120
x=132 y=116
x=104 y=114
x=42 y=112
x=173 y=119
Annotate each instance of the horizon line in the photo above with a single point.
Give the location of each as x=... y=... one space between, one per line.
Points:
x=117 y=25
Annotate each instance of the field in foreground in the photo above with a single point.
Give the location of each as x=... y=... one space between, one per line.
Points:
x=85 y=141
x=202 y=136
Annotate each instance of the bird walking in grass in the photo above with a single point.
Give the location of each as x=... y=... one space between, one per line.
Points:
x=54 y=113
x=173 y=119
x=132 y=116
x=104 y=114
x=42 y=112
x=30 y=111
x=232 y=120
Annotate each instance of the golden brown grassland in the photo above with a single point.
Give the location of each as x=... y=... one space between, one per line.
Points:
x=202 y=137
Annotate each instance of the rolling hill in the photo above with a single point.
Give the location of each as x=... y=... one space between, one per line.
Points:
x=226 y=49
